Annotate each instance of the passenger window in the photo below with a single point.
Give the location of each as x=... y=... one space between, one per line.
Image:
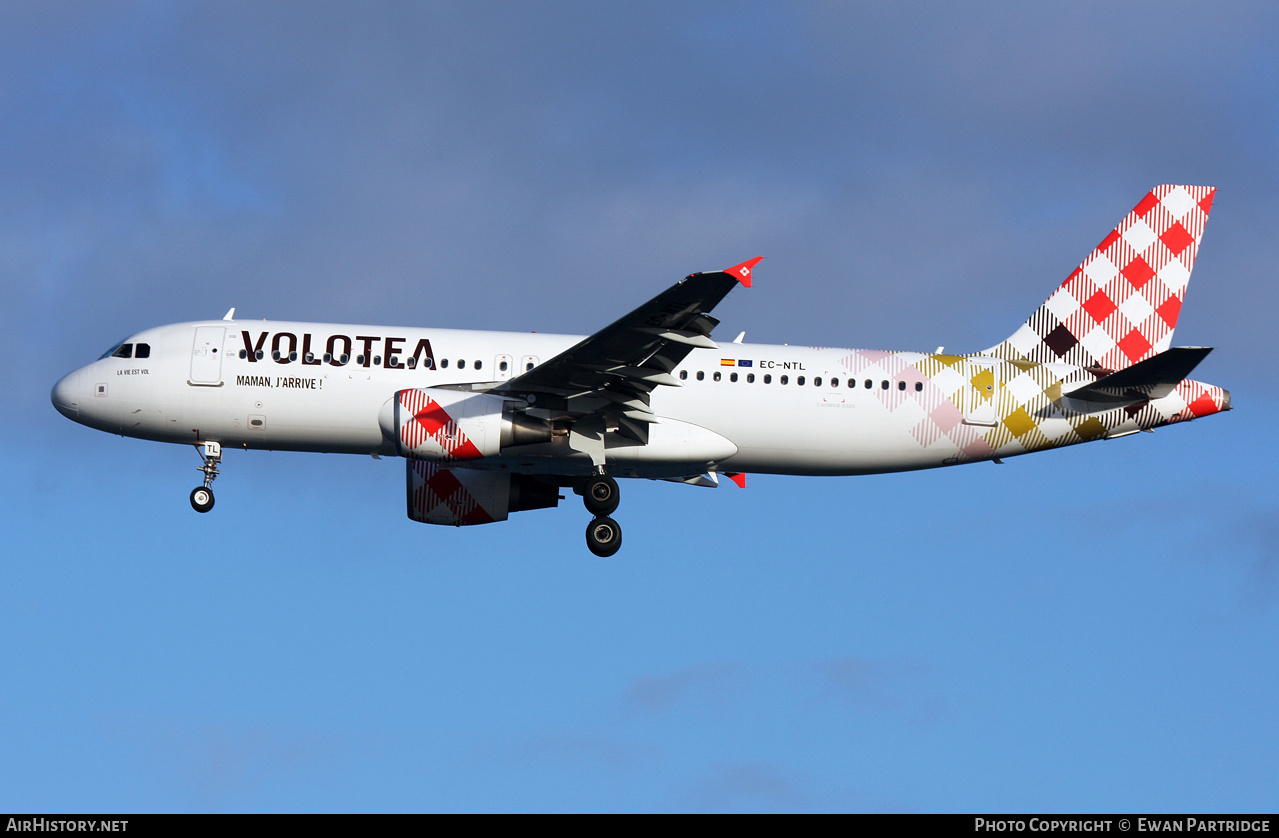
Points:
x=785 y=379
x=411 y=363
x=258 y=355
x=768 y=379
x=800 y=381
x=377 y=360
x=869 y=384
x=683 y=375
x=883 y=385
x=919 y=386
x=701 y=376
x=817 y=382
x=852 y=382
x=834 y=382
x=479 y=365
x=461 y=365
x=293 y=356
x=750 y=378
x=359 y=359
x=143 y=350
x=244 y=353
x=716 y=376
x=343 y=358
x=732 y=376
x=125 y=351
x=444 y=363
x=901 y=385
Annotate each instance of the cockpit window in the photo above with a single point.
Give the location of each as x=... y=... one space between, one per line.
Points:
x=127 y=350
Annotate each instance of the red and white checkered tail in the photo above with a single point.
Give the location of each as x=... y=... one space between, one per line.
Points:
x=1121 y=305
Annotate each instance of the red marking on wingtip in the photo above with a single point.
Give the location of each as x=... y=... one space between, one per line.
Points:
x=743 y=271
x=739 y=479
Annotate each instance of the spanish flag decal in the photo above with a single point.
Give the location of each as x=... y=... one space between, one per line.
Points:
x=727 y=362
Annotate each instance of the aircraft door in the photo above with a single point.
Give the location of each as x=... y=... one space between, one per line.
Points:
x=503 y=366
x=981 y=392
x=206 y=356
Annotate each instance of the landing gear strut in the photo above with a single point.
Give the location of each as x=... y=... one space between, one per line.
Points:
x=202 y=496
x=601 y=497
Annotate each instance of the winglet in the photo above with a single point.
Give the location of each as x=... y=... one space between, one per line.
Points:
x=743 y=271
x=739 y=479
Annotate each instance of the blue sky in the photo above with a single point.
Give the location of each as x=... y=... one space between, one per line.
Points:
x=1089 y=629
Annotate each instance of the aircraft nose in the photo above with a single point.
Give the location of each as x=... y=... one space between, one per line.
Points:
x=66 y=395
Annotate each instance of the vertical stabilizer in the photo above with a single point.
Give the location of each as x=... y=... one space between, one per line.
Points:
x=1120 y=306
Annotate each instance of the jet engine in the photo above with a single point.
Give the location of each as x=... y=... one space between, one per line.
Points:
x=449 y=426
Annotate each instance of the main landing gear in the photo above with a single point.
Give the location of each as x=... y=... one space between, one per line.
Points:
x=601 y=496
x=202 y=496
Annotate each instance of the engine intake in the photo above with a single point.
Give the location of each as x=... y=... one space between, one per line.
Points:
x=454 y=426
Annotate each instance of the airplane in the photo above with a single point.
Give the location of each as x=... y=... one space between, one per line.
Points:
x=491 y=423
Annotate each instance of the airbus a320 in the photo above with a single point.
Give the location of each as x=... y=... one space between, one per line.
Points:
x=491 y=423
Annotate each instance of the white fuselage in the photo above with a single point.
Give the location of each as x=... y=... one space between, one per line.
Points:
x=289 y=400
x=740 y=408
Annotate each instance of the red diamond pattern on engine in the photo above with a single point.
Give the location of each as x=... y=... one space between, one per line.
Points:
x=431 y=426
x=438 y=497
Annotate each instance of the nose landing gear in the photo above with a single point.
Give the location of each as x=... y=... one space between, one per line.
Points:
x=202 y=496
x=601 y=497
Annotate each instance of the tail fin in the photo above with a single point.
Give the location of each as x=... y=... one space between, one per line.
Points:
x=1120 y=306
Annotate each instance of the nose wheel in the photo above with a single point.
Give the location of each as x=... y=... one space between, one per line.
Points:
x=202 y=496
x=201 y=499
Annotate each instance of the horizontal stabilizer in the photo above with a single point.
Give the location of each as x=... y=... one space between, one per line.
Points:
x=1150 y=379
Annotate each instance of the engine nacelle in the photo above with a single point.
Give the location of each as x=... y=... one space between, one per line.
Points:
x=461 y=497
x=449 y=426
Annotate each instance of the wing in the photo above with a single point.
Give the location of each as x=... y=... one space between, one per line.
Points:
x=610 y=374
